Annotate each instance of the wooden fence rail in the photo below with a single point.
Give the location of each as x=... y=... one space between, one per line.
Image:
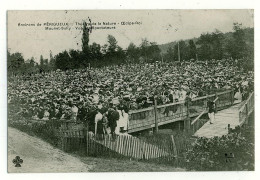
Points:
x=126 y=146
x=246 y=109
x=145 y=118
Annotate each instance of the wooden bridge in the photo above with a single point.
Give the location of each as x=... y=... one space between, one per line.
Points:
x=231 y=117
x=164 y=114
x=128 y=146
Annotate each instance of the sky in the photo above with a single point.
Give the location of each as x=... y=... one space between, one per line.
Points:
x=160 y=26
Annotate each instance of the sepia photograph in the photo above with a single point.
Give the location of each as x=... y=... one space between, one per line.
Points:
x=130 y=90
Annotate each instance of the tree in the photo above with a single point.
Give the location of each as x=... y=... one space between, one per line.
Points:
x=32 y=62
x=85 y=38
x=169 y=56
x=41 y=61
x=63 y=61
x=95 y=50
x=15 y=62
x=154 y=52
x=144 y=49
x=120 y=55
x=112 y=44
x=133 y=53
x=217 y=44
x=184 y=51
x=52 y=61
x=205 y=46
x=238 y=49
x=192 y=50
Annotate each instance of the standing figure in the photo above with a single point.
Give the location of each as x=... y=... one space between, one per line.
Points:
x=211 y=111
x=74 y=111
x=98 y=122
x=113 y=121
x=125 y=120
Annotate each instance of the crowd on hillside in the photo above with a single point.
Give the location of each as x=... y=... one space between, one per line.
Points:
x=81 y=94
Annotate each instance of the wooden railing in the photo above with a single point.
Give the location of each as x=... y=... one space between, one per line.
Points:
x=197 y=123
x=145 y=118
x=246 y=109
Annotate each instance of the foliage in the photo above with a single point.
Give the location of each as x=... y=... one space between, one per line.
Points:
x=211 y=45
x=85 y=38
x=47 y=131
x=133 y=53
x=238 y=44
x=234 y=151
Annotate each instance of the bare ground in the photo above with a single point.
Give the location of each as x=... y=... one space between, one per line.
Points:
x=40 y=156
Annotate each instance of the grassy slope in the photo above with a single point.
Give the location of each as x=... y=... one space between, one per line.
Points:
x=117 y=165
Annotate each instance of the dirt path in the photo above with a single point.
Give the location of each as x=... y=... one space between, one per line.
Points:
x=39 y=156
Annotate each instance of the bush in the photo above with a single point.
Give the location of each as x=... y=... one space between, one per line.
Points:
x=234 y=151
x=44 y=131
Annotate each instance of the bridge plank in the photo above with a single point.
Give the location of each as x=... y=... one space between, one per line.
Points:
x=219 y=127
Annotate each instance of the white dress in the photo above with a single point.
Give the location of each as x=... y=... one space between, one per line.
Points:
x=119 y=122
x=125 y=121
x=238 y=97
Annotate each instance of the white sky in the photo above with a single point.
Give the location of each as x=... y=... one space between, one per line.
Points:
x=161 y=26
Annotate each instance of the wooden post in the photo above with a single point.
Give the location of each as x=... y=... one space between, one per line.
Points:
x=155 y=114
x=216 y=95
x=95 y=128
x=228 y=128
x=246 y=120
x=175 y=150
x=174 y=146
x=187 y=120
x=232 y=96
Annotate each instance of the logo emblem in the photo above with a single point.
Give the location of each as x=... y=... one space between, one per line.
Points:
x=17 y=161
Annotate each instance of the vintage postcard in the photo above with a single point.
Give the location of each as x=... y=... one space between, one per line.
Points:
x=130 y=90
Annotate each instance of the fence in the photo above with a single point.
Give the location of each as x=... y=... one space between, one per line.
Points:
x=198 y=122
x=151 y=148
x=246 y=109
x=146 y=118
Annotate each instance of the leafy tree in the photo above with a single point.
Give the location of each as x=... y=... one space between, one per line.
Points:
x=41 y=61
x=205 y=46
x=85 y=38
x=112 y=44
x=96 y=54
x=144 y=49
x=192 y=50
x=120 y=55
x=217 y=44
x=133 y=52
x=113 y=54
x=169 y=56
x=32 y=62
x=15 y=62
x=239 y=39
x=184 y=51
x=52 y=61
x=236 y=46
x=75 y=58
x=149 y=51
x=154 y=52
x=63 y=61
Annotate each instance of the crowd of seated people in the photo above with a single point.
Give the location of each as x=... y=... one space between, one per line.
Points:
x=79 y=94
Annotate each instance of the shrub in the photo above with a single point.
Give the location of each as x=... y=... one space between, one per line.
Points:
x=234 y=151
